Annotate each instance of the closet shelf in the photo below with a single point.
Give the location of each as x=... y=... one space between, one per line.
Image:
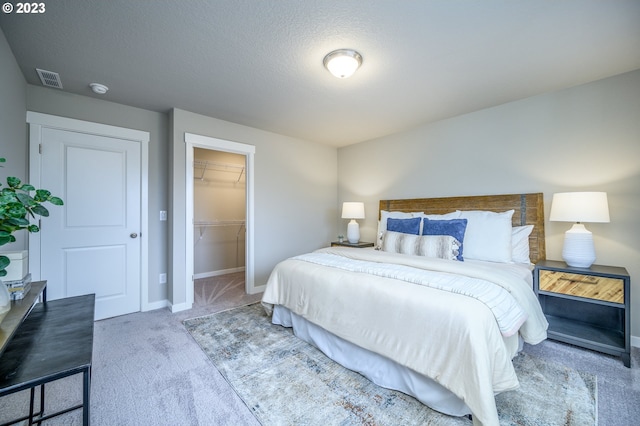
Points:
x=218 y=167
x=204 y=224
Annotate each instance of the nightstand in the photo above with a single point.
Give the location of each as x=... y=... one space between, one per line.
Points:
x=587 y=307
x=361 y=244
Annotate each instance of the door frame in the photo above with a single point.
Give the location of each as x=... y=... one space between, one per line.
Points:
x=37 y=121
x=198 y=141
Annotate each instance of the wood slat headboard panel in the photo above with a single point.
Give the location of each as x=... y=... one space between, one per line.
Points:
x=528 y=210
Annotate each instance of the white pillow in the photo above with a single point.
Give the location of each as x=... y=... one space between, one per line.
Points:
x=520 y=244
x=440 y=246
x=446 y=216
x=488 y=235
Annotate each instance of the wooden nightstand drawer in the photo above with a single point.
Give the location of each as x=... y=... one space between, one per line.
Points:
x=579 y=285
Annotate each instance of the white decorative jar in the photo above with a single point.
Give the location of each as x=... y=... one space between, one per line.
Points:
x=19 y=266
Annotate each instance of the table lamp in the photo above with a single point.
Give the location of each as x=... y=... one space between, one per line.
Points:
x=353 y=211
x=579 y=207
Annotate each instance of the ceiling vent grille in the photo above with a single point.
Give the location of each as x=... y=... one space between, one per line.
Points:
x=49 y=78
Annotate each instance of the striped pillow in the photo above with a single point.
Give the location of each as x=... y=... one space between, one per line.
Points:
x=440 y=246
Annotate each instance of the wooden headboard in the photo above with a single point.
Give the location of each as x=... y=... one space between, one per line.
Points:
x=529 y=210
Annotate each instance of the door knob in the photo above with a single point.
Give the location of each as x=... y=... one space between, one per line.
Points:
x=133 y=235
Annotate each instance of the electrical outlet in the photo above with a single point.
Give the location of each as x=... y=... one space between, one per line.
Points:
x=163 y=215
x=163 y=279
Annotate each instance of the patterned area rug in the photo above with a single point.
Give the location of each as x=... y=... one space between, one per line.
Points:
x=285 y=381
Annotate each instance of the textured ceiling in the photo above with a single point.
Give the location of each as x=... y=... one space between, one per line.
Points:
x=259 y=63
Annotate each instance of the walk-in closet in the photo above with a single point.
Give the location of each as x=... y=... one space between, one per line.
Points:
x=219 y=208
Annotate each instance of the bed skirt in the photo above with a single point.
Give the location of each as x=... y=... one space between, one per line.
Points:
x=377 y=368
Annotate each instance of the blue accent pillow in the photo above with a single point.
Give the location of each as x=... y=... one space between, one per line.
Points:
x=454 y=227
x=405 y=226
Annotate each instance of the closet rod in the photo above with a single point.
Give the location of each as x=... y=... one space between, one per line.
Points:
x=220 y=167
x=218 y=223
x=203 y=225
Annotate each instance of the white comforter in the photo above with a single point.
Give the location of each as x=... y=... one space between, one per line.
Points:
x=450 y=337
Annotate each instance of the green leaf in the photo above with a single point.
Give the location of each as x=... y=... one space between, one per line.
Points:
x=5 y=239
x=40 y=210
x=7 y=197
x=42 y=195
x=16 y=211
x=4 y=262
x=13 y=182
x=56 y=201
x=3 y=273
x=33 y=228
x=25 y=199
x=18 y=221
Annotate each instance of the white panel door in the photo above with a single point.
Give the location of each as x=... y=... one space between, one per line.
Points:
x=92 y=243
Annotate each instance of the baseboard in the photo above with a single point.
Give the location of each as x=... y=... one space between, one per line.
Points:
x=635 y=341
x=151 y=306
x=217 y=273
x=180 y=307
x=259 y=289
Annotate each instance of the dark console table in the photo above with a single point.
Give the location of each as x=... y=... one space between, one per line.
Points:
x=19 y=311
x=54 y=341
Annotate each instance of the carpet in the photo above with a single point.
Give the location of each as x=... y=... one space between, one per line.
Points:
x=285 y=381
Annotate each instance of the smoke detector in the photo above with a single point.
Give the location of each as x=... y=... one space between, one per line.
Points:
x=49 y=78
x=98 y=88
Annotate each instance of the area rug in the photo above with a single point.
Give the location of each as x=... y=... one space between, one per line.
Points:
x=285 y=381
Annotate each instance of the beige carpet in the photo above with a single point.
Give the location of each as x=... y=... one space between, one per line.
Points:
x=148 y=371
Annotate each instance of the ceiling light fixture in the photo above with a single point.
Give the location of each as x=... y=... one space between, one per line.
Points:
x=98 y=88
x=342 y=62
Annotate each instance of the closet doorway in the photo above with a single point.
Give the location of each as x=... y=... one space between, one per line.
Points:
x=220 y=219
x=219 y=209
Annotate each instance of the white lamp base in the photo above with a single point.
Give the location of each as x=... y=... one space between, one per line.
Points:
x=353 y=231
x=578 y=250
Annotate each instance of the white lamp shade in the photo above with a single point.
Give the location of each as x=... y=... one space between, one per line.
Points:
x=587 y=207
x=352 y=210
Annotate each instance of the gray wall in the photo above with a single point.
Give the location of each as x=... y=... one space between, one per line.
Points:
x=295 y=180
x=13 y=127
x=585 y=138
x=295 y=193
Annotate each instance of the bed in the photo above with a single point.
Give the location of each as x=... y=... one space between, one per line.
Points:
x=438 y=310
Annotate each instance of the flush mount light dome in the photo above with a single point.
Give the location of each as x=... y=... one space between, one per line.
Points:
x=343 y=62
x=98 y=88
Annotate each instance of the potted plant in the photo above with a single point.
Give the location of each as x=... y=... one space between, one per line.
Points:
x=17 y=205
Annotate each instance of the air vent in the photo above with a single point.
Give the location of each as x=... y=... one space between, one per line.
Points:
x=49 y=78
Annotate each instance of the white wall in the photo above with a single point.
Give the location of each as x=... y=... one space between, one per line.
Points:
x=295 y=193
x=579 y=139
